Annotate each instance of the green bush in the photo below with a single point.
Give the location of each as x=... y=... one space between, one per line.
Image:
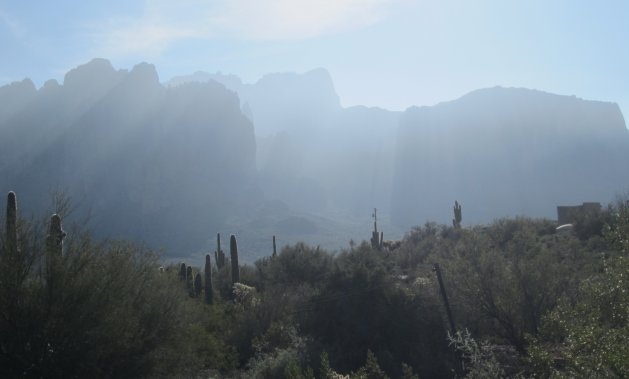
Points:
x=503 y=279
x=363 y=305
x=102 y=309
x=587 y=335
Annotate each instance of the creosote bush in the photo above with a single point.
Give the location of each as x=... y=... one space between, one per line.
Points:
x=110 y=312
x=540 y=303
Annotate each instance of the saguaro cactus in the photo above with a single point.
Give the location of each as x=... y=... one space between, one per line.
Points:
x=233 y=249
x=54 y=251
x=209 y=290
x=54 y=240
x=198 y=285
x=376 y=238
x=189 y=280
x=11 y=224
x=456 y=222
x=219 y=256
x=182 y=272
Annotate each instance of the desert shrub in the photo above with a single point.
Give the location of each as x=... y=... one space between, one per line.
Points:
x=484 y=360
x=587 y=335
x=280 y=353
x=502 y=279
x=295 y=265
x=99 y=310
x=363 y=306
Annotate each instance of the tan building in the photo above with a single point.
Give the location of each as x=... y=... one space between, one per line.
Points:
x=568 y=214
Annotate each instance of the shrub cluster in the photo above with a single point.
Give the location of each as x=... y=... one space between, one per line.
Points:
x=525 y=300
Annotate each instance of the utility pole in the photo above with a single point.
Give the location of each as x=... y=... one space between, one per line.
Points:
x=446 y=303
x=444 y=296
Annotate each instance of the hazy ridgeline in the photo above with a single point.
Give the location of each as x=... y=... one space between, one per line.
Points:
x=148 y=163
x=508 y=152
x=174 y=164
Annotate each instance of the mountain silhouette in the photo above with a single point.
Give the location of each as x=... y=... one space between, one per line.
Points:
x=173 y=164
x=505 y=152
x=162 y=165
x=313 y=154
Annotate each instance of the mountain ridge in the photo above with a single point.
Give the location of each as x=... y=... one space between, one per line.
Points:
x=288 y=147
x=533 y=149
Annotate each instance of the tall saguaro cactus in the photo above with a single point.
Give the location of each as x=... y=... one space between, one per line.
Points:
x=54 y=252
x=376 y=238
x=54 y=240
x=219 y=256
x=209 y=290
x=182 y=272
x=456 y=222
x=198 y=285
x=233 y=250
x=11 y=224
x=189 y=281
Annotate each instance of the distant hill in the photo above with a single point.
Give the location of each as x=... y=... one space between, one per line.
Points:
x=506 y=152
x=314 y=155
x=174 y=164
x=164 y=165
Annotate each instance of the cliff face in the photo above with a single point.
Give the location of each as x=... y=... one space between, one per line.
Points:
x=280 y=101
x=314 y=155
x=506 y=151
x=171 y=165
x=150 y=163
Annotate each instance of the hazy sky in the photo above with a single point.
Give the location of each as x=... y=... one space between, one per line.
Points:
x=389 y=53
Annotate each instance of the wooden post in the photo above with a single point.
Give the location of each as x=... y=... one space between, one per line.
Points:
x=446 y=303
x=444 y=296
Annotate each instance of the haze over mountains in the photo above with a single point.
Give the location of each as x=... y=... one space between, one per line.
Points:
x=149 y=163
x=174 y=164
x=506 y=152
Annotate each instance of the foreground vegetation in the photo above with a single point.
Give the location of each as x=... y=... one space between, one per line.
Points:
x=526 y=301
